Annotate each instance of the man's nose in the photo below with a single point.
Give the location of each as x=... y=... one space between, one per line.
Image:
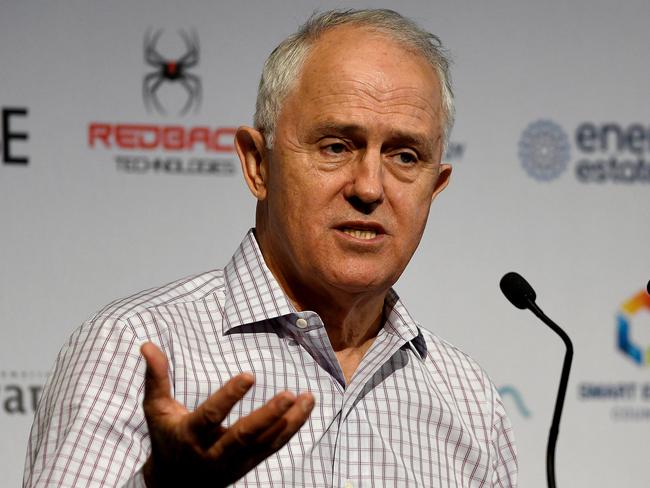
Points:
x=366 y=188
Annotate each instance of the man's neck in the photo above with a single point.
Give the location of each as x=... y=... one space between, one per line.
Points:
x=351 y=325
x=352 y=332
x=352 y=319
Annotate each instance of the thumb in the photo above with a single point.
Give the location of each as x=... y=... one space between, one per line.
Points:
x=156 y=382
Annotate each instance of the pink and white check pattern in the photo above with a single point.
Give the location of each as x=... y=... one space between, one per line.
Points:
x=417 y=412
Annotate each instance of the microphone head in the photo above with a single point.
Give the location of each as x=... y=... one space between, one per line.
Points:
x=648 y=287
x=517 y=290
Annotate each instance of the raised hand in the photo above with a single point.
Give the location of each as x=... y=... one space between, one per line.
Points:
x=193 y=448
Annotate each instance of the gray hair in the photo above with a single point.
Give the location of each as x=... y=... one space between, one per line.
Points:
x=282 y=68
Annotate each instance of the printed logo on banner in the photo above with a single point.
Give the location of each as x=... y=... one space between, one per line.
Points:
x=171 y=71
x=454 y=152
x=629 y=400
x=630 y=311
x=150 y=147
x=606 y=152
x=20 y=391
x=544 y=150
x=13 y=136
x=511 y=393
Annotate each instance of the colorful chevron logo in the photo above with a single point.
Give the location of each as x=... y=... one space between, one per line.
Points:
x=625 y=318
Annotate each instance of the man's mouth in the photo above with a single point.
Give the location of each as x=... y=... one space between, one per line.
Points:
x=360 y=234
x=362 y=230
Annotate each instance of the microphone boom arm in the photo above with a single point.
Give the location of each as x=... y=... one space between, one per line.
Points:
x=561 y=392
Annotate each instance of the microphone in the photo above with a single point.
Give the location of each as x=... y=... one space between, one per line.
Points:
x=648 y=287
x=519 y=292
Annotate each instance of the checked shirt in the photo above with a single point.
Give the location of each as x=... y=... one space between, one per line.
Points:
x=416 y=413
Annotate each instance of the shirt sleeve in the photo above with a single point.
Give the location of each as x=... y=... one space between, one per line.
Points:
x=505 y=462
x=89 y=428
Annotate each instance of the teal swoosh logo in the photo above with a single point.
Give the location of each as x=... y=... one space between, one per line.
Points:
x=509 y=391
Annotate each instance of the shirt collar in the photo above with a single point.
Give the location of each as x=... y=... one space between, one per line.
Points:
x=253 y=295
x=400 y=323
x=252 y=292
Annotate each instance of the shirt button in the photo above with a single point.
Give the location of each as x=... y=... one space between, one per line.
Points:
x=348 y=484
x=301 y=323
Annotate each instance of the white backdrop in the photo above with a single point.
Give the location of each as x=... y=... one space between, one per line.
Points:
x=78 y=229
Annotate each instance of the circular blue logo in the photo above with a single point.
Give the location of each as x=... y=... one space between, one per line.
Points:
x=544 y=150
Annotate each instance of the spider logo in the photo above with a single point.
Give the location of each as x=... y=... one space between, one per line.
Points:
x=171 y=71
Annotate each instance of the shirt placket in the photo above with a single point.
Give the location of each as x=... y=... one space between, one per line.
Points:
x=308 y=329
x=354 y=472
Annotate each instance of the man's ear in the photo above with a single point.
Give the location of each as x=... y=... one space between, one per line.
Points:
x=253 y=155
x=443 y=180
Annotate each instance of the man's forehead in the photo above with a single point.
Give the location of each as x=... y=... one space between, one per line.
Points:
x=353 y=54
x=369 y=84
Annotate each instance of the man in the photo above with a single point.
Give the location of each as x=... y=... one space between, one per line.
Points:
x=352 y=116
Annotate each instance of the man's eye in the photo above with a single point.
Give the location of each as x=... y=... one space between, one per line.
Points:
x=407 y=158
x=336 y=148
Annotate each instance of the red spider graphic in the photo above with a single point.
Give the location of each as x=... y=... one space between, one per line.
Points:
x=171 y=70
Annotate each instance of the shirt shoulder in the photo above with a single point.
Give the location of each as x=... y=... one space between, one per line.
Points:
x=458 y=368
x=438 y=345
x=188 y=289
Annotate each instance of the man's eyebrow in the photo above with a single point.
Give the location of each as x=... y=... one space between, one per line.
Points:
x=420 y=142
x=339 y=128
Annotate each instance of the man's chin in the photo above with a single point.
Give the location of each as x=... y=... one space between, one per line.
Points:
x=359 y=284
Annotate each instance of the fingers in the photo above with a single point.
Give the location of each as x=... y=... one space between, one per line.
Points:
x=248 y=428
x=205 y=421
x=280 y=433
x=156 y=382
x=268 y=428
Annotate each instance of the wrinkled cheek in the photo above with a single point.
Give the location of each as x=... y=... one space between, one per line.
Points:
x=417 y=225
x=424 y=216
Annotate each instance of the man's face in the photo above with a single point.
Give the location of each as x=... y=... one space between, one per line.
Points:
x=354 y=167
